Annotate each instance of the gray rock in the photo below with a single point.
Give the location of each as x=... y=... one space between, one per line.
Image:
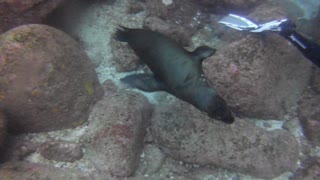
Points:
x=315 y=80
x=125 y=59
x=62 y=151
x=184 y=13
x=190 y=136
x=3 y=128
x=24 y=171
x=176 y=32
x=308 y=110
x=267 y=12
x=114 y=139
x=109 y=87
x=47 y=81
x=310 y=170
x=152 y=161
x=203 y=173
x=226 y=6
x=309 y=113
x=255 y=74
x=314 y=30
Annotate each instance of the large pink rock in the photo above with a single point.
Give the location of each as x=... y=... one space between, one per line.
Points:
x=63 y=151
x=184 y=13
x=47 y=81
x=190 y=136
x=259 y=77
x=172 y=30
x=17 y=12
x=117 y=125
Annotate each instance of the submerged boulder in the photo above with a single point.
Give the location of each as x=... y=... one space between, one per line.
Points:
x=117 y=125
x=309 y=111
x=185 y=14
x=47 y=81
x=63 y=151
x=190 y=136
x=259 y=77
x=176 y=32
x=310 y=169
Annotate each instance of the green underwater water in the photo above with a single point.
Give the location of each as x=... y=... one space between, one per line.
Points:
x=92 y=25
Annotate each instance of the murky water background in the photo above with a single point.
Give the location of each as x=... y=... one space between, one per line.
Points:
x=244 y=70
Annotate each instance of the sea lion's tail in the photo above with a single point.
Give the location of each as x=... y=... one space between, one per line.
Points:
x=122 y=34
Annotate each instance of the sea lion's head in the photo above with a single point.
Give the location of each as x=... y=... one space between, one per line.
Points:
x=208 y=100
x=218 y=109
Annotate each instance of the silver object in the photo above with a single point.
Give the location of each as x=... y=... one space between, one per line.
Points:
x=243 y=24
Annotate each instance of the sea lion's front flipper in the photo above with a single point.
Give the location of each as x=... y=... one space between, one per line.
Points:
x=144 y=82
x=201 y=53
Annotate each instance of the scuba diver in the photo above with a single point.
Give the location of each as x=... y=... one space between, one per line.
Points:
x=285 y=28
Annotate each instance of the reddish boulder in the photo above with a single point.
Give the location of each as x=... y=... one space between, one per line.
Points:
x=174 y=31
x=117 y=125
x=47 y=81
x=259 y=77
x=184 y=13
x=61 y=151
x=190 y=136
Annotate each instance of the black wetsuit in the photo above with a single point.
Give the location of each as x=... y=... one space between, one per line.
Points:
x=309 y=49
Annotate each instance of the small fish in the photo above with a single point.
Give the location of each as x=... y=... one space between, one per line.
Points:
x=175 y=70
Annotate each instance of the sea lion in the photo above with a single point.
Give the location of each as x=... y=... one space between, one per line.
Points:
x=175 y=70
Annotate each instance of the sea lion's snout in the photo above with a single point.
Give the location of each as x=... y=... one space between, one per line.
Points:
x=219 y=110
x=229 y=119
x=226 y=116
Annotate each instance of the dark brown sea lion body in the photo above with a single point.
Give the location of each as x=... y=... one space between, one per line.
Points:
x=175 y=70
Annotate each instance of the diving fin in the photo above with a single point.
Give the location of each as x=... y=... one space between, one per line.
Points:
x=243 y=24
x=238 y=22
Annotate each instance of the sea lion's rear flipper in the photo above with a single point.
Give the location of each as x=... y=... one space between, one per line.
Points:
x=201 y=53
x=144 y=82
x=122 y=34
